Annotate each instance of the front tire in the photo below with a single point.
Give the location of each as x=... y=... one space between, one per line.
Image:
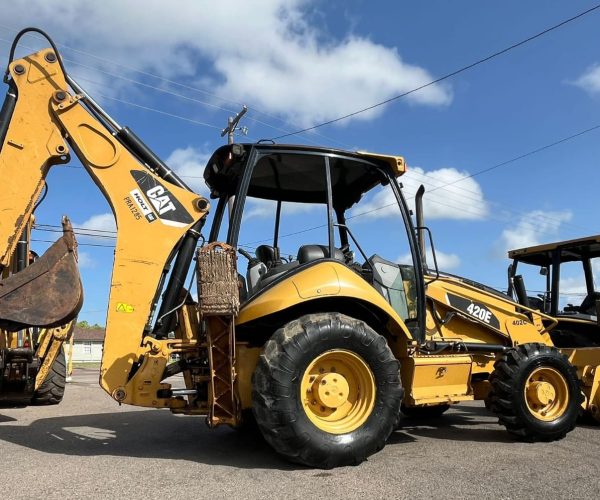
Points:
x=535 y=393
x=52 y=390
x=326 y=391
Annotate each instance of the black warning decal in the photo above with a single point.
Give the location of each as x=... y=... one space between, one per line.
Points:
x=168 y=208
x=474 y=309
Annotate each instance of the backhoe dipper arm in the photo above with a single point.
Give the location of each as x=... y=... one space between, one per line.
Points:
x=155 y=218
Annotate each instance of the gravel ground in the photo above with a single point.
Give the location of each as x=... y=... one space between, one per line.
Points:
x=88 y=447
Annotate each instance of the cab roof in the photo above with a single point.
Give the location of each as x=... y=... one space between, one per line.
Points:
x=295 y=173
x=571 y=251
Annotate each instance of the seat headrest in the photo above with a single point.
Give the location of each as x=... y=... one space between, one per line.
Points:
x=309 y=253
x=265 y=254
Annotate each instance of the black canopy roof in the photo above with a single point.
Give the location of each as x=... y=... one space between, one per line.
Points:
x=295 y=173
x=571 y=251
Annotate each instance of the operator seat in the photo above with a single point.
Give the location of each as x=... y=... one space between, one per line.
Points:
x=306 y=254
x=266 y=254
x=310 y=253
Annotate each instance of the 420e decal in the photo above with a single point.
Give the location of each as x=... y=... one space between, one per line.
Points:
x=473 y=309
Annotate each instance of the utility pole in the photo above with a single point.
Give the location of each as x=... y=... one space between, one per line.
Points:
x=232 y=125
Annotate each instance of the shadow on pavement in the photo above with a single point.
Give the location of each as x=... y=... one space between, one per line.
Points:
x=447 y=426
x=587 y=422
x=145 y=434
x=156 y=434
x=11 y=405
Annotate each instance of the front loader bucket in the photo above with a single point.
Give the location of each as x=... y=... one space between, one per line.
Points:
x=47 y=293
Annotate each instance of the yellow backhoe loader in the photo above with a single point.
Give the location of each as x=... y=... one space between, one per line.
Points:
x=32 y=361
x=577 y=333
x=324 y=342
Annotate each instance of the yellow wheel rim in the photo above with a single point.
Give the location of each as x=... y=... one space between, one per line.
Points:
x=546 y=394
x=338 y=391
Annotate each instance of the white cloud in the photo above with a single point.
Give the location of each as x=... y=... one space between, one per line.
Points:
x=265 y=53
x=100 y=228
x=85 y=260
x=189 y=163
x=590 y=79
x=573 y=289
x=455 y=200
x=445 y=261
x=259 y=208
x=100 y=222
x=533 y=228
x=573 y=286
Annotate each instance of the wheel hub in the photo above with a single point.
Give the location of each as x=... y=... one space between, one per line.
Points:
x=546 y=394
x=331 y=390
x=541 y=393
x=338 y=391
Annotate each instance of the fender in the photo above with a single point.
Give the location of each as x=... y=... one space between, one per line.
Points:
x=322 y=280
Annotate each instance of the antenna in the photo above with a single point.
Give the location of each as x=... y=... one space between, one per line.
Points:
x=232 y=125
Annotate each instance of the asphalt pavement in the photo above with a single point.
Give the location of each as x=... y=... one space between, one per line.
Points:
x=89 y=447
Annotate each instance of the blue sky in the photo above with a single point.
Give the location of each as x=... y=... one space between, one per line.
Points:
x=296 y=63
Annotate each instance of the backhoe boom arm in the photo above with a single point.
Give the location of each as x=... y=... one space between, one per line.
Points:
x=154 y=216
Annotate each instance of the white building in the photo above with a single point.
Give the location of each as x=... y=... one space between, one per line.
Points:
x=87 y=345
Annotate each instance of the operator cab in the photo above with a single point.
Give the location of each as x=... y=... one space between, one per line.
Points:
x=566 y=290
x=286 y=207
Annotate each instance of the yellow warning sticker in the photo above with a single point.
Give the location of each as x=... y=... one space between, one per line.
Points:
x=122 y=307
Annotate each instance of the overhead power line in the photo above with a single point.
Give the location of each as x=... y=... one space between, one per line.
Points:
x=482 y=171
x=38 y=226
x=479 y=172
x=252 y=109
x=520 y=157
x=79 y=244
x=446 y=76
x=504 y=163
x=443 y=186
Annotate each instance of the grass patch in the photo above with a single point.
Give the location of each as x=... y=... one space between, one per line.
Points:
x=89 y=366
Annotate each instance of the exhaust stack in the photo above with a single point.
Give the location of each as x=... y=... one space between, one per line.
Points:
x=421 y=224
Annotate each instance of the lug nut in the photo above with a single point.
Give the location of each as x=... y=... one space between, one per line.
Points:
x=50 y=57
x=19 y=69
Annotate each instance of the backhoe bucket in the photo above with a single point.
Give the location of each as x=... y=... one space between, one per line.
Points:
x=48 y=292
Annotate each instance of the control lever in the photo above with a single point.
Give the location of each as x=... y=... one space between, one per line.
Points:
x=246 y=254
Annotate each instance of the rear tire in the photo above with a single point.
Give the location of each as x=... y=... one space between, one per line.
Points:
x=51 y=392
x=296 y=415
x=535 y=393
